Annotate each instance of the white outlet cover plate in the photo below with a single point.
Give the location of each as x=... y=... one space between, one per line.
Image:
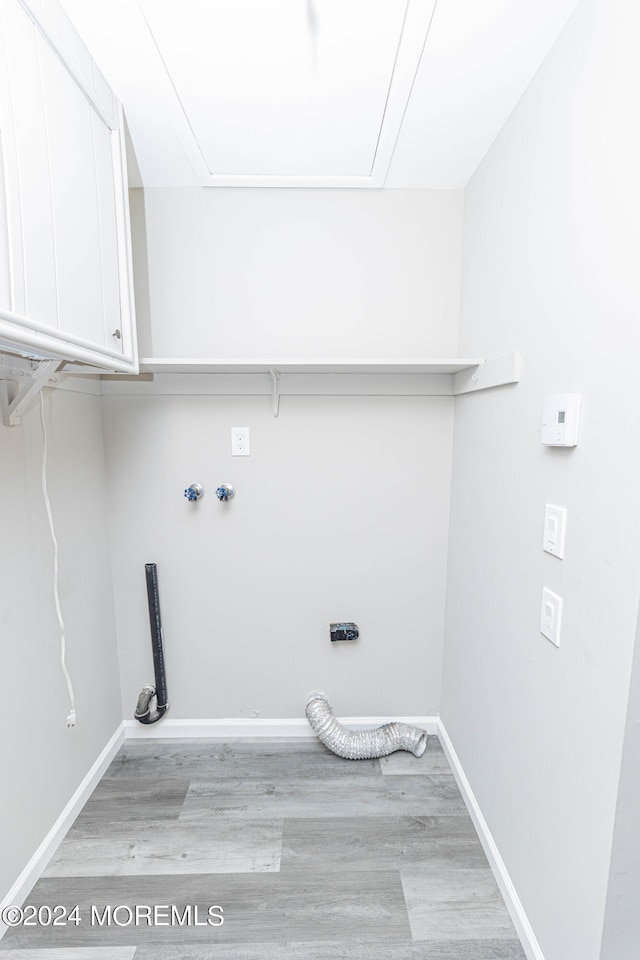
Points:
x=555 y=530
x=240 y=446
x=551 y=616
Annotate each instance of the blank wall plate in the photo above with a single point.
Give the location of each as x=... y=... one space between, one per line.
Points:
x=551 y=616
x=555 y=529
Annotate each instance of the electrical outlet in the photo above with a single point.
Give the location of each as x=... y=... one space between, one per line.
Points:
x=240 y=442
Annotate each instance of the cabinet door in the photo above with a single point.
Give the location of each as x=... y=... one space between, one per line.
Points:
x=32 y=292
x=65 y=258
x=5 y=264
x=74 y=197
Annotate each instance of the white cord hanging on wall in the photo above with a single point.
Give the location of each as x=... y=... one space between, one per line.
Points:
x=71 y=718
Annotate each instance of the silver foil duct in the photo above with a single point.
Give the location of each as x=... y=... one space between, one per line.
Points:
x=361 y=744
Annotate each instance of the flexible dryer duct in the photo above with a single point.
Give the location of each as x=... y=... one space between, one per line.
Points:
x=143 y=712
x=362 y=744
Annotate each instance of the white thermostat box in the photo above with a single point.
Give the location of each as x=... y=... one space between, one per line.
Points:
x=560 y=420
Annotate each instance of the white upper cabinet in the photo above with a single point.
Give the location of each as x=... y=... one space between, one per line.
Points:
x=65 y=262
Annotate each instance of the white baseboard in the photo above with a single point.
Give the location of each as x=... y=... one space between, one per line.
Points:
x=524 y=929
x=33 y=870
x=169 y=729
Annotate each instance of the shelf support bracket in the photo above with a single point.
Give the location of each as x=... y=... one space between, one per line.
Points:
x=14 y=405
x=275 y=389
x=492 y=373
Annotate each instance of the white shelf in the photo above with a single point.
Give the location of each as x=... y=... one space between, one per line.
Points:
x=427 y=378
x=176 y=365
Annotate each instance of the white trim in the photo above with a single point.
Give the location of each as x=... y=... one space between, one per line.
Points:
x=19 y=334
x=411 y=43
x=514 y=905
x=33 y=870
x=413 y=40
x=255 y=728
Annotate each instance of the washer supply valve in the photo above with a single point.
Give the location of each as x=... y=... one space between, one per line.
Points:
x=194 y=492
x=225 y=492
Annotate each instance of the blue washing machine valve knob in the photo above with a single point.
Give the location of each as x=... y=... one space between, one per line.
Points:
x=194 y=492
x=225 y=491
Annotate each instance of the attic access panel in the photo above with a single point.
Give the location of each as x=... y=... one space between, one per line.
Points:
x=303 y=90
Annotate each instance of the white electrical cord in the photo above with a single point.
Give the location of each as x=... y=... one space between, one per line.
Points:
x=71 y=719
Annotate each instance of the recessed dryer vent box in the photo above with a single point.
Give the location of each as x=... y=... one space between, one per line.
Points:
x=560 y=420
x=344 y=631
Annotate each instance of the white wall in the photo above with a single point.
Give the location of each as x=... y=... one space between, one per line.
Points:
x=550 y=267
x=342 y=508
x=297 y=273
x=43 y=761
x=341 y=512
x=622 y=921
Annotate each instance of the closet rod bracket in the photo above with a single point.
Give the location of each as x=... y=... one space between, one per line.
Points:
x=275 y=389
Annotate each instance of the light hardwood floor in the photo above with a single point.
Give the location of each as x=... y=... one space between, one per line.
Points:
x=310 y=856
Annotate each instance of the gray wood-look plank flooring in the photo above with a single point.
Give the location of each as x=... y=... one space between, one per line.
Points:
x=258 y=907
x=312 y=857
x=70 y=953
x=335 y=796
x=381 y=843
x=334 y=950
x=433 y=760
x=135 y=799
x=130 y=849
x=211 y=760
x=454 y=904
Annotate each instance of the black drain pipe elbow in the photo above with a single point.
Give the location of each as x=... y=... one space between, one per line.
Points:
x=143 y=713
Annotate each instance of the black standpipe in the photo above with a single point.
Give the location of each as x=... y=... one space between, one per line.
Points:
x=143 y=712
